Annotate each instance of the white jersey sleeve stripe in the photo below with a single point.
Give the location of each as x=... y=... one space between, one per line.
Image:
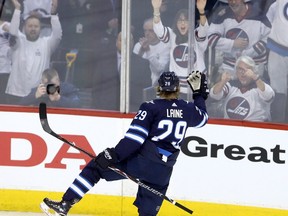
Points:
x=138 y=128
x=135 y=138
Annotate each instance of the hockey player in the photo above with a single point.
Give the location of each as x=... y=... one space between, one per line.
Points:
x=177 y=37
x=152 y=140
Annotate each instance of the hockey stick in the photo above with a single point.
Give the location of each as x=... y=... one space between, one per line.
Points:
x=46 y=128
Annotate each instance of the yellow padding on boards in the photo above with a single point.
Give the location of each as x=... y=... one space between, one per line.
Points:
x=100 y=205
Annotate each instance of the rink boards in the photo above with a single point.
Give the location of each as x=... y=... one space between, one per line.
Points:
x=236 y=169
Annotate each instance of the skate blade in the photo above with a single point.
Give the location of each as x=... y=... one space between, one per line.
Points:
x=47 y=210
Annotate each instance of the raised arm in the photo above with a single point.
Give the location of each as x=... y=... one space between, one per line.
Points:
x=15 y=21
x=201 y=4
x=56 y=35
x=156 y=4
x=54 y=6
x=16 y=4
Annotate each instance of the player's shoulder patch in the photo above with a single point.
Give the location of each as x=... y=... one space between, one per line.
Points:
x=147 y=104
x=151 y=101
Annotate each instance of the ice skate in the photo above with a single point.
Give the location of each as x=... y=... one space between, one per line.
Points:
x=54 y=208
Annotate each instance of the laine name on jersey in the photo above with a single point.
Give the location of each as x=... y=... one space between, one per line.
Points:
x=174 y=113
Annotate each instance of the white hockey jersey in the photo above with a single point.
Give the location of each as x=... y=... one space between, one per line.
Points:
x=179 y=52
x=278 y=40
x=249 y=104
x=253 y=27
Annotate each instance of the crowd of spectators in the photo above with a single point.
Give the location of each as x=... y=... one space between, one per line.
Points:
x=82 y=39
x=177 y=38
x=30 y=53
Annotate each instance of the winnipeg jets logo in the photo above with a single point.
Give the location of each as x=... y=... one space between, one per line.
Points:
x=237 y=33
x=237 y=108
x=180 y=55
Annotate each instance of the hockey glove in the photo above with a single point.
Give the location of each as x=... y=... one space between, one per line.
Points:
x=194 y=80
x=198 y=83
x=106 y=158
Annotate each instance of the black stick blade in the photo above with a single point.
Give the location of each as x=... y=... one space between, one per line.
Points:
x=42 y=111
x=43 y=118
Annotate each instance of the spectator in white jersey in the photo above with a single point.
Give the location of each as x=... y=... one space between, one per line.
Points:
x=5 y=59
x=278 y=59
x=269 y=8
x=236 y=29
x=246 y=98
x=155 y=51
x=177 y=37
x=30 y=53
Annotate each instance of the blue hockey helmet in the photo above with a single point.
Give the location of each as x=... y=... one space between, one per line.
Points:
x=168 y=82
